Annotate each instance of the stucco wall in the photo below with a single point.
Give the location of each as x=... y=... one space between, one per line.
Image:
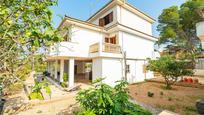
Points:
x=130 y=19
x=111 y=70
x=135 y=46
x=85 y=38
x=137 y=73
x=199 y=72
x=108 y=68
x=96 y=68
x=80 y=43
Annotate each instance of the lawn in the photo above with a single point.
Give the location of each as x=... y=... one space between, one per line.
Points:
x=180 y=99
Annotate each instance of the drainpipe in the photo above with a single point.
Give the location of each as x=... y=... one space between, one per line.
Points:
x=145 y=70
x=125 y=63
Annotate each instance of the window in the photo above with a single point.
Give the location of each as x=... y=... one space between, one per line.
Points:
x=106 y=40
x=106 y=20
x=111 y=40
x=101 y=22
x=128 y=68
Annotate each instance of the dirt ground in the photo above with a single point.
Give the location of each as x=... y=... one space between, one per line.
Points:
x=179 y=99
x=60 y=101
x=52 y=108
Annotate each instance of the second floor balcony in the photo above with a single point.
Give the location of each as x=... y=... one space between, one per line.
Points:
x=70 y=49
x=105 y=47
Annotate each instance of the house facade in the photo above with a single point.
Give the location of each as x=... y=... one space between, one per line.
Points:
x=199 y=69
x=114 y=43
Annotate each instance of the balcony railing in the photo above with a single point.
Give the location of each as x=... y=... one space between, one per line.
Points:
x=106 y=47
x=94 y=48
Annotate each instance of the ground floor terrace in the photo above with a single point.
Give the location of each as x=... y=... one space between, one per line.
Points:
x=89 y=69
x=70 y=70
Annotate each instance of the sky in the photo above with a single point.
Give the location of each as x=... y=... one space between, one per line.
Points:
x=83 y=9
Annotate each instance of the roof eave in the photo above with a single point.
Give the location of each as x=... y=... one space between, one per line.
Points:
x=119 y=2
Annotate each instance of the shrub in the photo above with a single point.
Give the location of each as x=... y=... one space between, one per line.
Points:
x=65 y=77
x=169 y=99
x=169 y=68
x=150 y=94
x=105 y=100
x=63 y=84
x=1 y=90
x=161 y=93
x=36 y=95
x=191 y=108
x=36 y=90
x=85 y=112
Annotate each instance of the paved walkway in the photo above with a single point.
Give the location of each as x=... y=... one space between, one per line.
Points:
x=52 y=107
x=60 y=100
x=165 y=112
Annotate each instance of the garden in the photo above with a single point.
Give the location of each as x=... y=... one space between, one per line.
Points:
x=26 y=27
x=179 y=99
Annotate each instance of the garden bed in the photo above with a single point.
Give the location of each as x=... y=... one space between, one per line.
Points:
x=180 y=99
x=184 y=84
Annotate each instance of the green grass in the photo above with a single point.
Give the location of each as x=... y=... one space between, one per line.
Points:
x=168 y=107
x=191 y=108
x=196 y=97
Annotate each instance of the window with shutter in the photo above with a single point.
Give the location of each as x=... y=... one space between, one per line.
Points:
x=106 y=40
x=111 y=17
x=106 y=20
x=101 y=22
x=113 y=40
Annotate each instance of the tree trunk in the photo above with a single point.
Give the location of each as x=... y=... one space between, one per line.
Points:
x=168 y=86
x=168 y=83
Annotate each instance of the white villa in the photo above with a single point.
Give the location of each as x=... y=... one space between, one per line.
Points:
x=113 y=43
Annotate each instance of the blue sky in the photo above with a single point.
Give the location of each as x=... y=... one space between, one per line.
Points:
x=83 y=9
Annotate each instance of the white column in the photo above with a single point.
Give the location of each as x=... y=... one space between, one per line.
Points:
x=71 y=72
x=61 y=70
x=100 y=47
x=202 y=44
x=56 y=64
x=51 y=69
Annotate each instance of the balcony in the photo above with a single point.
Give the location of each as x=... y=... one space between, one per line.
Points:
x=105 y=47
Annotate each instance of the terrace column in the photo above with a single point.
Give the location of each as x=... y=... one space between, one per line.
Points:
x=51 y=69
x=61 y=70
x=71 y=72
x=55 y=64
